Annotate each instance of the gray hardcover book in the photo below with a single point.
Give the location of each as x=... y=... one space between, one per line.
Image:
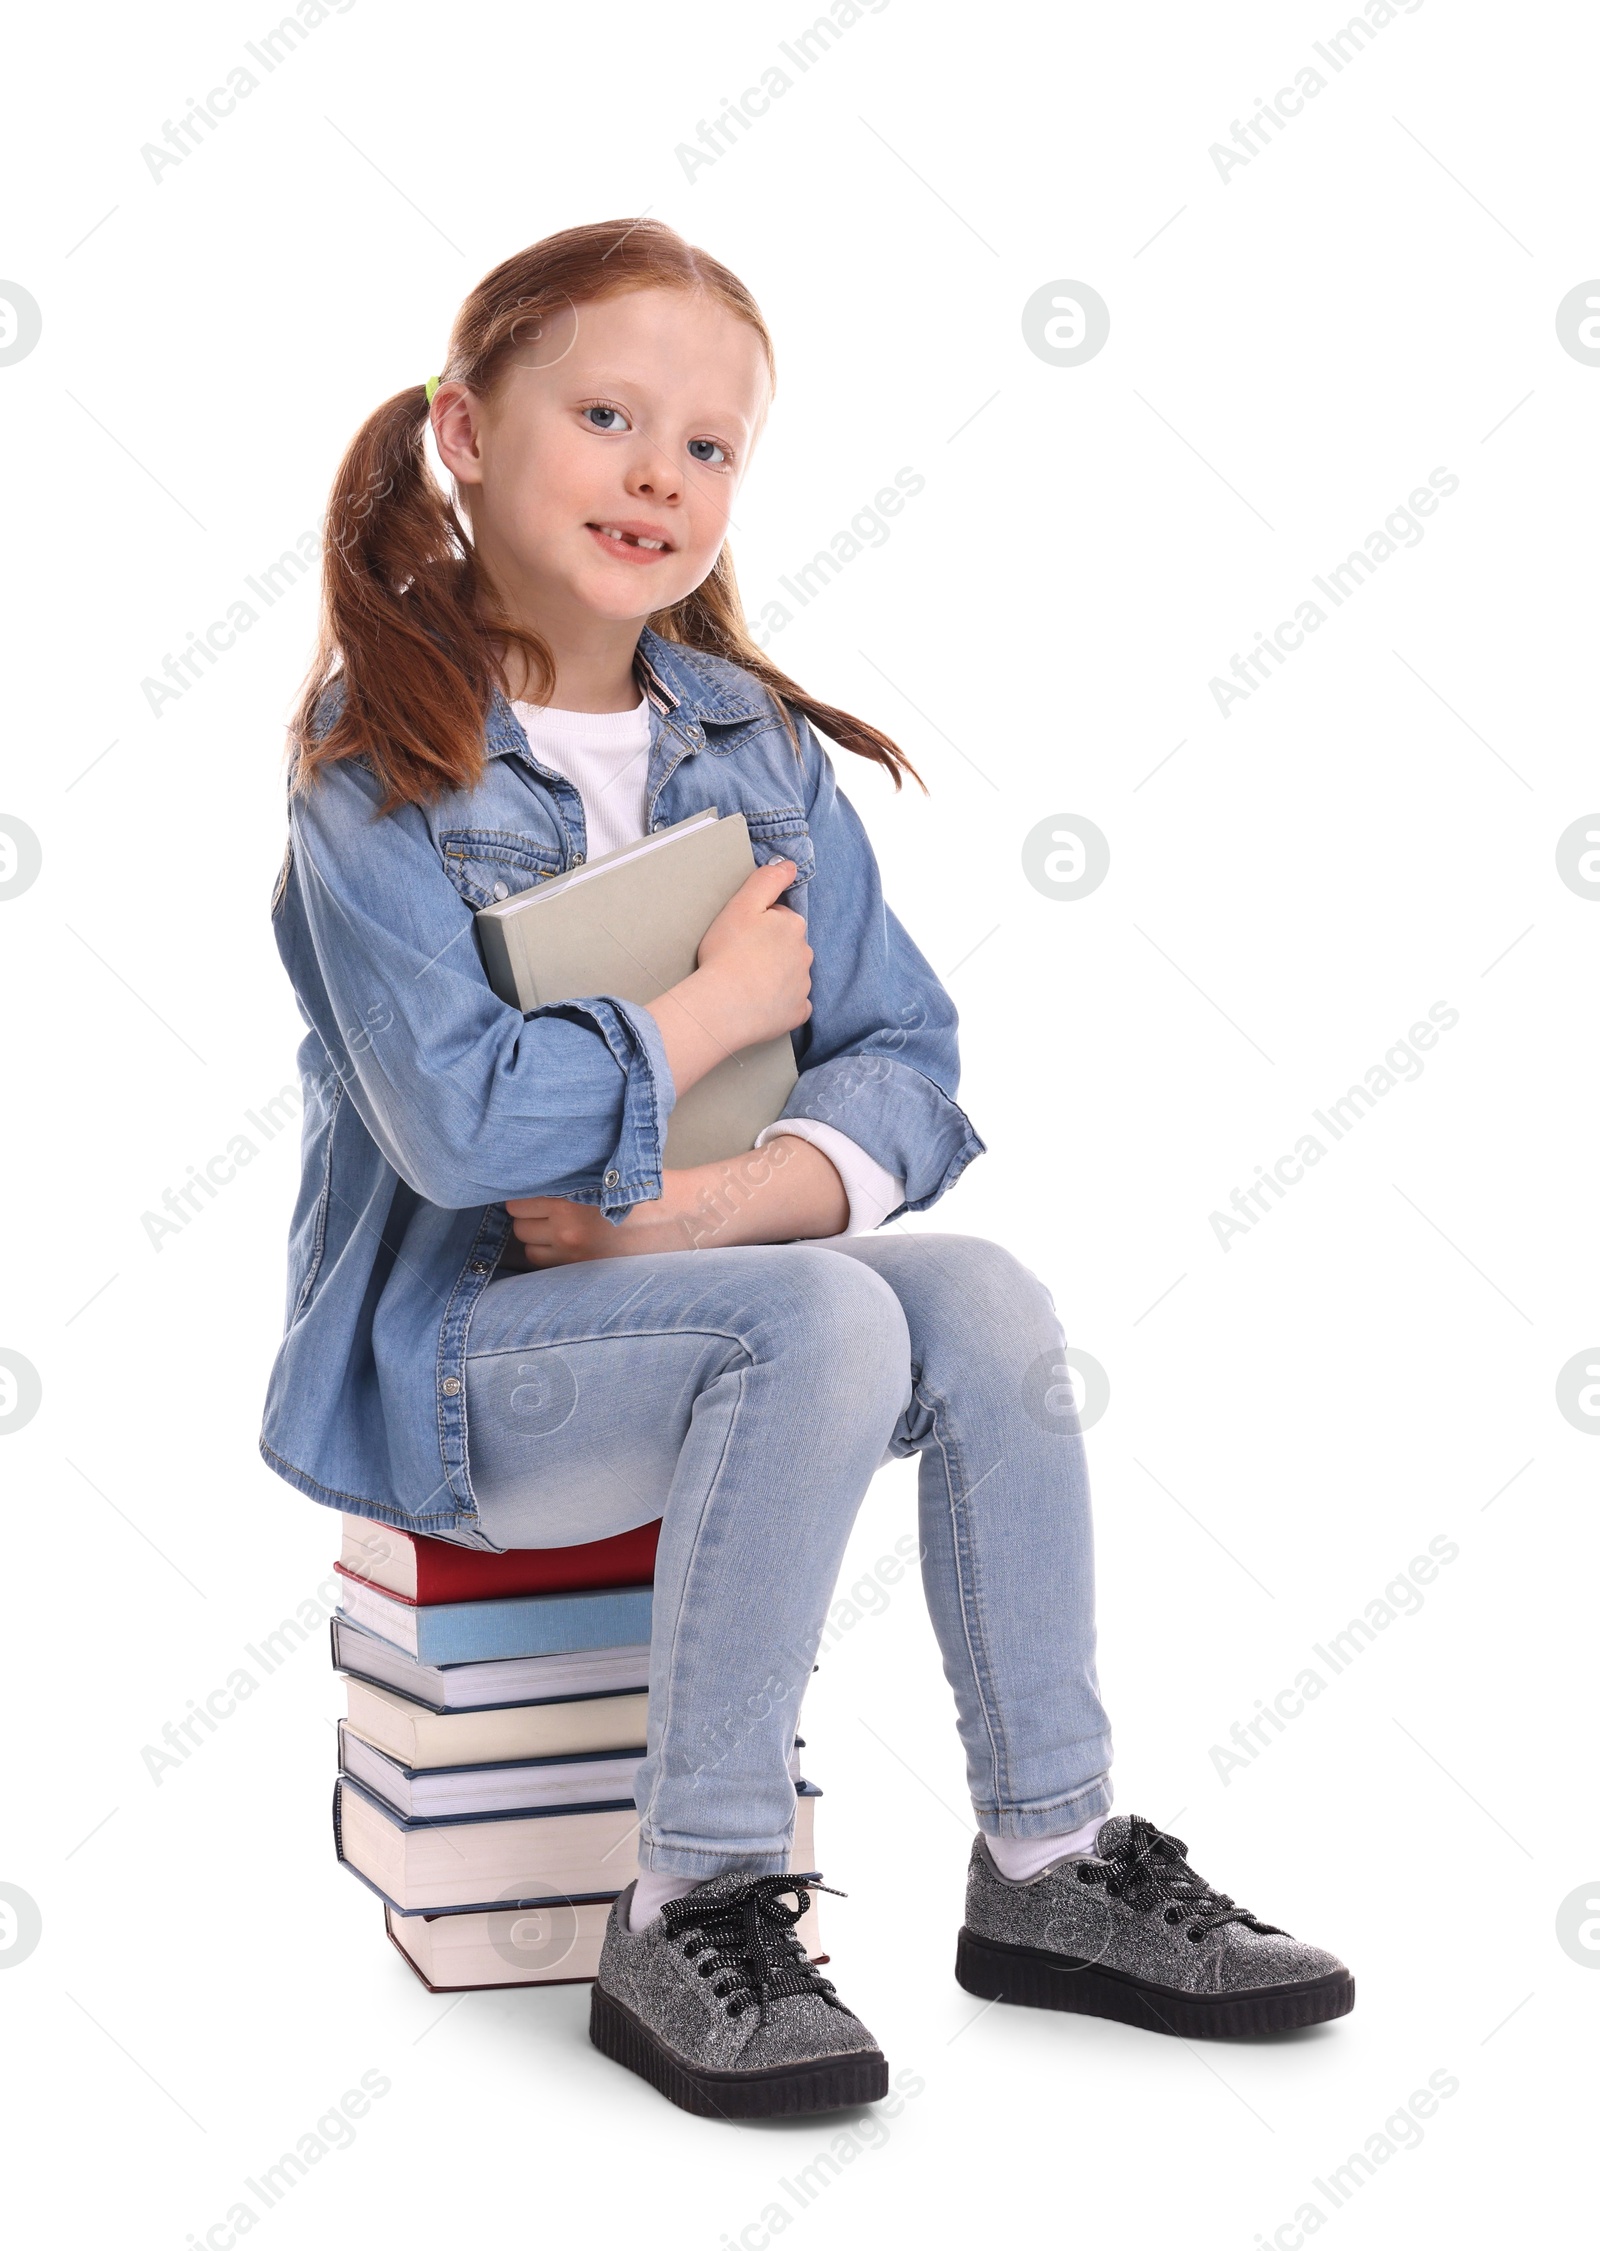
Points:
x=630 y=923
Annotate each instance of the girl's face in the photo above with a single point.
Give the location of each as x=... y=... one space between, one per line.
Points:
x=635 y=417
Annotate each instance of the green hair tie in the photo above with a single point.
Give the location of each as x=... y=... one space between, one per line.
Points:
x=432 y=385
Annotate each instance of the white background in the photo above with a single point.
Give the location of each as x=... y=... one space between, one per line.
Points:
x=1291 y=1419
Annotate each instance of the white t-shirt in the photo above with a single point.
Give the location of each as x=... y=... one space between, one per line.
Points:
x=606 y=757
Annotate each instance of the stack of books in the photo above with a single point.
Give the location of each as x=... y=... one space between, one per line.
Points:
x=494 y=1725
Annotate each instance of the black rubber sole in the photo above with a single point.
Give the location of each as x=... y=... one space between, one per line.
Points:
x=786 y=2091
x=1037 y=1980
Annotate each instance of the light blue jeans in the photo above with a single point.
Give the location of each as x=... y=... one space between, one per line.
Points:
x=746 y=1396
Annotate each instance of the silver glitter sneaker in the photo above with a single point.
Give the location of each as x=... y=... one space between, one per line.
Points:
x=715 y=2002
x=1130 y=1931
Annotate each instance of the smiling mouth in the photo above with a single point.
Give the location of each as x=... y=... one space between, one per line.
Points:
x=630 y=539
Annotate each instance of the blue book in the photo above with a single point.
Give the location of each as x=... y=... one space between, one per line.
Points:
x=525 y=1625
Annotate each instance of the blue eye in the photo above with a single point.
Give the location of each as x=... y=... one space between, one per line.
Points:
x=712 y=454
x=620 y=423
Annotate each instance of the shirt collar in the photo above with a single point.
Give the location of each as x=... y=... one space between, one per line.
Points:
x=680 y=682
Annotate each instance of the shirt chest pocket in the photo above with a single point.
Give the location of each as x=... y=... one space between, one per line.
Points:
x=782 y=835
x=490 y=864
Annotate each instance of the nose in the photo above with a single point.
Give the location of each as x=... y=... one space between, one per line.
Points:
x=651 y=477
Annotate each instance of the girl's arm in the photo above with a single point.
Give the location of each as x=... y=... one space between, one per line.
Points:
x=751 y=983
x=878 y=1062
x=878 y=1055
x=468 y=1099
x=786 y=1192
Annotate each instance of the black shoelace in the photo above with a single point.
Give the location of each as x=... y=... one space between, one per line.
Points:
x=744 y=1940
x=1152 y=1870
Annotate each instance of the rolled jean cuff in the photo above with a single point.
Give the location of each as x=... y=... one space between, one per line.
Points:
x=712 y=1860
x=1057 y=1820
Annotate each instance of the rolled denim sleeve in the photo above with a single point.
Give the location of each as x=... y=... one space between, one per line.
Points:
x=469 y=1100
x=878 y=1056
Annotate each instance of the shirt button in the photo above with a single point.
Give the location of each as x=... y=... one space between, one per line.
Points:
x=478 y=1267
x=451 y=1384
x=502 y=891
x=612 y=1178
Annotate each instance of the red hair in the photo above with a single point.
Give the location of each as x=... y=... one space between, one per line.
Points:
x=409 y=633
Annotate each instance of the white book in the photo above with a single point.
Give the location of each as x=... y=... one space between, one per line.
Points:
x=416 y=1736
x=434 y=1793
x=534 y=1859
x=522 y=1785
x=523 y=1945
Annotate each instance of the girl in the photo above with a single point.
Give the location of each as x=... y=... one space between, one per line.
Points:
x=493 y=1334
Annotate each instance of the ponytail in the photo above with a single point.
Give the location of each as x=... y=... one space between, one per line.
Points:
x=405 y=637
x=410 y=650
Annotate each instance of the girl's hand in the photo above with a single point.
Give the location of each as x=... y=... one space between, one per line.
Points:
x=555 y=1232
x=755 y=960
x=752 y=982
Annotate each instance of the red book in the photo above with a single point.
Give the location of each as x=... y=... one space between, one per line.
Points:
x=418 y=1569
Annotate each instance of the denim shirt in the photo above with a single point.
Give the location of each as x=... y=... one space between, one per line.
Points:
x=429 y=1101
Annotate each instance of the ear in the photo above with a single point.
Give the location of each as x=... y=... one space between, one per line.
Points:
x=456 y=417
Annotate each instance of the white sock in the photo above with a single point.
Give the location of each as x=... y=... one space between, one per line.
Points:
x=1022 y=1857
x=651 y=1893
